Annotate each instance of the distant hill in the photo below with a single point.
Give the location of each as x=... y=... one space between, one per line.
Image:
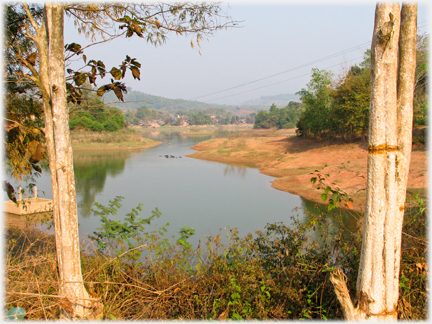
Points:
x=134 y=99
x=265 y=102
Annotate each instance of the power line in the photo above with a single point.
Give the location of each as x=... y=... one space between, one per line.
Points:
x=269 y=85
x=293 y=69
x=289 y=70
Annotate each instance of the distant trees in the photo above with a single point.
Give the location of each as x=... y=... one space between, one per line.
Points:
x=286 y=117
x=340 y=109
x=92 y=115
x=143 y=113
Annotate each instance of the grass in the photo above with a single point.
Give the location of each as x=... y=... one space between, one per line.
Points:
x=122 y=139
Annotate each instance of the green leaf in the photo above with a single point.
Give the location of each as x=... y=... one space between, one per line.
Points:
x=327 y=189
x=324 y=197
x=313 y=180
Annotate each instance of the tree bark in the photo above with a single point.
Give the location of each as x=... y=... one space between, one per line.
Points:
x=73 y=285
x=51 y=80
x=390 y=131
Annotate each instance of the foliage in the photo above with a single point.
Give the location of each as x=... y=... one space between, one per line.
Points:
x=341 y=109
x=152 y=22
x=92 y=115
x=286 y=117
x=122 y=236
x=318 y=101
x=351 y=103
x=279 y=273
x=23 y=120
x=143 y=114
x=336 y=194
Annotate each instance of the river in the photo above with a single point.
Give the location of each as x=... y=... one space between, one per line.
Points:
x=203 y=195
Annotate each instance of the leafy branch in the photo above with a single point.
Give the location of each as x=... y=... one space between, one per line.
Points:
x=336 y=194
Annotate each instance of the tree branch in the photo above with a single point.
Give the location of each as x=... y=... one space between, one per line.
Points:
x=338 y=279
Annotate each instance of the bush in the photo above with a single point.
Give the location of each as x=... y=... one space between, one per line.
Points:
x=111 y=126
x=97 y=127
x=73 y=123
x=86 y=122
x=119 y=119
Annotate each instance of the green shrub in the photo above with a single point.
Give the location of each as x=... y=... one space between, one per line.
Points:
x=97 y=127
x=86 y=122
x=73 y=123
x=111 y=126
x=119 y=119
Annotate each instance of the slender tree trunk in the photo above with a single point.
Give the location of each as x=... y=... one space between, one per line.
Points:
x=390 y=129
x=51 y=80
x=73 y=286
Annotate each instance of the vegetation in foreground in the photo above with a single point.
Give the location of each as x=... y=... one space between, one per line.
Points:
x=280 y=273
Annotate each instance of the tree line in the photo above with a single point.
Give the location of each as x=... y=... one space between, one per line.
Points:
x=340 y=109
x=286 y=117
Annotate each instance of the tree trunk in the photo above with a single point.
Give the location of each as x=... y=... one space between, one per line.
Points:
x=73 y=286
x=390 y=127
x=51 y=80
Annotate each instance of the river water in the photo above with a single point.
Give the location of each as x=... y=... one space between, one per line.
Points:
x=203 y=195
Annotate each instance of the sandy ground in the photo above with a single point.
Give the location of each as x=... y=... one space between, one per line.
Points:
x=293 y=161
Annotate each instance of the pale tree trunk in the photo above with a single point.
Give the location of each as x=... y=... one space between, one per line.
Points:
x=390 y=132
x=51 y=80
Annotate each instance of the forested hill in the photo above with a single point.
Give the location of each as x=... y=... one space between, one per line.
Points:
x=134 y=99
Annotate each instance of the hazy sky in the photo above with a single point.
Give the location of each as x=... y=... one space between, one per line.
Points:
x=274 y=38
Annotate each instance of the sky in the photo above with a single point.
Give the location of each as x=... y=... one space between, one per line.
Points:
x=275 y=38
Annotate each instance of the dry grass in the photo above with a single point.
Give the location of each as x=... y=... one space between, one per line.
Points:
x=123 y=135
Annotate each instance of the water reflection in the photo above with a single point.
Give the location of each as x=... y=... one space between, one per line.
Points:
x=239 y=170
x=91 y=170
x=30 y=220
x=336 y=219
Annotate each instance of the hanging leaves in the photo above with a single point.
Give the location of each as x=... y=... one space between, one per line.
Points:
x=133 y=26
x=35 y=151
x=116 y=73
x=79 y=78
x=135 y=72
x=117 y=87
x=74 y=47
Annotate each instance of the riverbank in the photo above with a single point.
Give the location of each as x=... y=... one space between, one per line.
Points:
x=128 y=145
x=292 y=159
x=125 y=139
